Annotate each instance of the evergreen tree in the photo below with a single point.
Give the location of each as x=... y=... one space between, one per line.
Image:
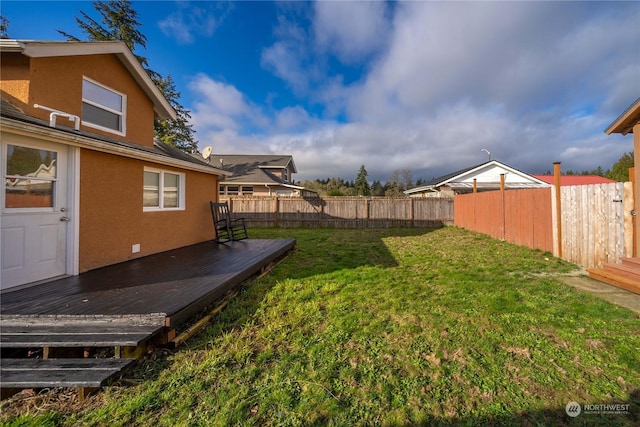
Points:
x=179 y=132
x=4 y=26
x=361 y=185
x=620 y=169
x=377 y=189
x=119 y=21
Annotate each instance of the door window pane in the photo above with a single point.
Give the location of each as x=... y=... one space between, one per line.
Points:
x=31 y=177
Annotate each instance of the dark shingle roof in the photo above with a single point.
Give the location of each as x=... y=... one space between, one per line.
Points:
x=252 y=169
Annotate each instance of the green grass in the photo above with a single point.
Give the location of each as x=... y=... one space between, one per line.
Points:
x=392 y=327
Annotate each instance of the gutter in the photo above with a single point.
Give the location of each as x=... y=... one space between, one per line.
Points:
x=68 y=138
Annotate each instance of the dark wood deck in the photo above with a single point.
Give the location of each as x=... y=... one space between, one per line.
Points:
x=168 y=287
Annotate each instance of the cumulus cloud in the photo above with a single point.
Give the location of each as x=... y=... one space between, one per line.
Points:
x=533 y=82
x=188 y=22
x=350 y=30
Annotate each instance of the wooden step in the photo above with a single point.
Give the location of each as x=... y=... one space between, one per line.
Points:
x=618 y=278
x=631 y=261
x=41 y=373
x=630 y=270
x=75 y=335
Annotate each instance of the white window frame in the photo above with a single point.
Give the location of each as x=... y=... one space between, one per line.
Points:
x=181 y=191
x=122 y=114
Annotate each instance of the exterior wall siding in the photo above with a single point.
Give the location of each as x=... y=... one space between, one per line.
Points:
x=56 y=82
x=14 y=84
x=112 y=217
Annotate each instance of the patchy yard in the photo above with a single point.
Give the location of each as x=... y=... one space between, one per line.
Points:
x=389 y=327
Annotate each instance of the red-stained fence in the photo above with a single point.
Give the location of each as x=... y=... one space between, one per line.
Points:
x=523 y=217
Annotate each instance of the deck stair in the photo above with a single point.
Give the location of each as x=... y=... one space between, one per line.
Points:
x=625 y=275
x=60 y=342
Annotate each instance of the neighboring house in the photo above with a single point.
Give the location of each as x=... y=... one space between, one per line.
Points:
x=257 y=175
x=86 y=186
x=486 y=177
x=567 y=180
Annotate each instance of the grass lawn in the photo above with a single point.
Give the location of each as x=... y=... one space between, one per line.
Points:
x=391 y=327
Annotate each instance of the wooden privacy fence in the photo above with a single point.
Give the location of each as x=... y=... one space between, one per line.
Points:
x=596 y=225
x=523 y=217
x=342 y=212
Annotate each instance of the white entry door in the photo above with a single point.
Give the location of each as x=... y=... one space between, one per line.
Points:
x=34 y=211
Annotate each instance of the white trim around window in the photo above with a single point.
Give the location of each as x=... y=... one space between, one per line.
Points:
x=103 y=108
x=163 y=190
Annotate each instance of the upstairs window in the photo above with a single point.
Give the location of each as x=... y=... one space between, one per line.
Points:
x=103 y=108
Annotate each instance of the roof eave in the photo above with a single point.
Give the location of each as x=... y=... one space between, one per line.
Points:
x=87 y=142
x=625 y=122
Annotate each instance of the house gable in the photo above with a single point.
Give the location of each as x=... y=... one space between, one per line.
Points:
x=52 y=75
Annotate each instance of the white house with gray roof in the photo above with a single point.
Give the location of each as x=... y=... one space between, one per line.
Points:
x=486 y=177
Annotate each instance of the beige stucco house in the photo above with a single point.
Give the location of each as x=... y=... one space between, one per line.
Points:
x=86 y=185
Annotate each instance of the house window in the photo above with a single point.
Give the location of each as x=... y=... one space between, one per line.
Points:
x=103 y=108
x=285 y=174
x=232 y=190
x=221 y=192
x=163 y=190
x=247 y=190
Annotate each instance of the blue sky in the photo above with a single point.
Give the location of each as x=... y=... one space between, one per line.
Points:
x=419 y=86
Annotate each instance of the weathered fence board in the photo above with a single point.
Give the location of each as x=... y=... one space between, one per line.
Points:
x=342 y=212
x=593 y=224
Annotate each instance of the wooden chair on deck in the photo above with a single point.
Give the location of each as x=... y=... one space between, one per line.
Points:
x=227 y=229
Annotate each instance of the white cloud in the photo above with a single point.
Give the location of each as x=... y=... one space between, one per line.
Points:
x=533 y=82
x=351 y=30
x=188 y=22
x=221 y=107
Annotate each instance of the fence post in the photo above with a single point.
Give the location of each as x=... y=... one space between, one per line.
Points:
x=411 y=211
x=367 y=206
x=275 y=211
x=556 y=182
x=504 y=213
x=634 y=222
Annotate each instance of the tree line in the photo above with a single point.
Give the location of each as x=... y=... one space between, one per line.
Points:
x=399 y=181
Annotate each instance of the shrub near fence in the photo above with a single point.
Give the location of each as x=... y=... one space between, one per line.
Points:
x=342 y=212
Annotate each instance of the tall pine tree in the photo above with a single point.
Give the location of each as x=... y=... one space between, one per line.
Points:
x=119 y=21
x=361 y=185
